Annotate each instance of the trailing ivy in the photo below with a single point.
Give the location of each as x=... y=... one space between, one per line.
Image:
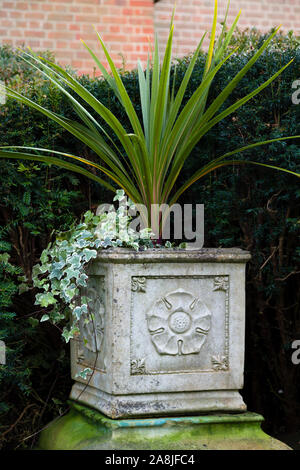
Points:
x=62 y=272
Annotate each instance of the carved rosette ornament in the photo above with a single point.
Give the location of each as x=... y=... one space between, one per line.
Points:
x=178 y=324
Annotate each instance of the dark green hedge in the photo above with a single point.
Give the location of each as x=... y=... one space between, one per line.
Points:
x=249 y=207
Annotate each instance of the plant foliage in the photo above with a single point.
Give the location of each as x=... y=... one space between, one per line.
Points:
x=147 y=161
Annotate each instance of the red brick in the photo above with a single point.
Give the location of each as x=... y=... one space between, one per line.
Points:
x=141 y=3
x=17 y=32
x=47 y=44
x=7 y=41
x=34 y=24
x=32 y=43
x=34 y=6
x=60 y=35
x=34 y=34
x=114 y=19
x=21 y=24
x=22 y=6
x=87 y=18
x=114 y=38
x=114 y=29
x=59 y=17
x=7 y=23
x=34 y=15
x=13 y=14
x=47 y=7
x=95 y=2
x=74 y=27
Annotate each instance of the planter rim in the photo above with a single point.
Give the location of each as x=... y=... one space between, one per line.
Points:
x=156 y=255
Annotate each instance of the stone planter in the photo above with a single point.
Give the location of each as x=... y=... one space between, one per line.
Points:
x=170 y=328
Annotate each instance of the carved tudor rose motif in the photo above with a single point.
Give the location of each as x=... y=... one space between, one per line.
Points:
x=178 y=324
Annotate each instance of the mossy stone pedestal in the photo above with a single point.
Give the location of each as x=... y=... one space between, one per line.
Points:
x=86 y=429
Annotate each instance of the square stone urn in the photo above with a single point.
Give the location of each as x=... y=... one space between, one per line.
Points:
x=170 y=327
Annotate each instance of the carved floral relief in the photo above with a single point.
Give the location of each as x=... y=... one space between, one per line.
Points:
x=179 y=323
x=92 y=327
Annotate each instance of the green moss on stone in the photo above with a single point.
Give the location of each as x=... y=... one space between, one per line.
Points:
x=85 y=428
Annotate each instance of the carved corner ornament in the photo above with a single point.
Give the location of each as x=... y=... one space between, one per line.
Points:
x=138 y=284
x=178 y=324
x=221 y=283
x=219 y=362
x=138 y=367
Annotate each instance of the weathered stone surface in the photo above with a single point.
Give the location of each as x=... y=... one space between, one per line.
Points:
x=170 y=333
x=86 y=429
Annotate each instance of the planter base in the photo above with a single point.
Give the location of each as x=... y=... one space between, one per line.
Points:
x=86 y=429
x=161 y=404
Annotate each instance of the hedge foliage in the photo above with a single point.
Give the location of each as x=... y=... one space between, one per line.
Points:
x=246 y=206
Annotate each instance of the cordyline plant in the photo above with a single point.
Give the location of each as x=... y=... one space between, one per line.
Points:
x=147 y=161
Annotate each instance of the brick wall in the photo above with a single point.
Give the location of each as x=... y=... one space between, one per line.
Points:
x=194 y=17
x=127 y=25
x=58 y=25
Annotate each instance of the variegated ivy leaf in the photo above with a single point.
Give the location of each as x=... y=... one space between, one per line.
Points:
x=74 y=260
x=36 y=270
x=82 y=281
x=97 y=243
x=44 y=256
x=79 y=227
x=69 y=334
x=44 y=268
x=68 y=294
x=88 y=216
x=79 y=310
x=82 y=243
x=45 y=299
x=44 y=318
x=41 y=283
x=96 y=219
x=120 y=194
x=135 y=246
x=130 y=204
x=55 y=285
x=124 y=236
x=56 y=316
x=89 y=254
x=72 y=273
x=56 y=274
x=107 y=242
x=84 y=373
x=146 y=233
x=86 y=234
x=118 y=242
